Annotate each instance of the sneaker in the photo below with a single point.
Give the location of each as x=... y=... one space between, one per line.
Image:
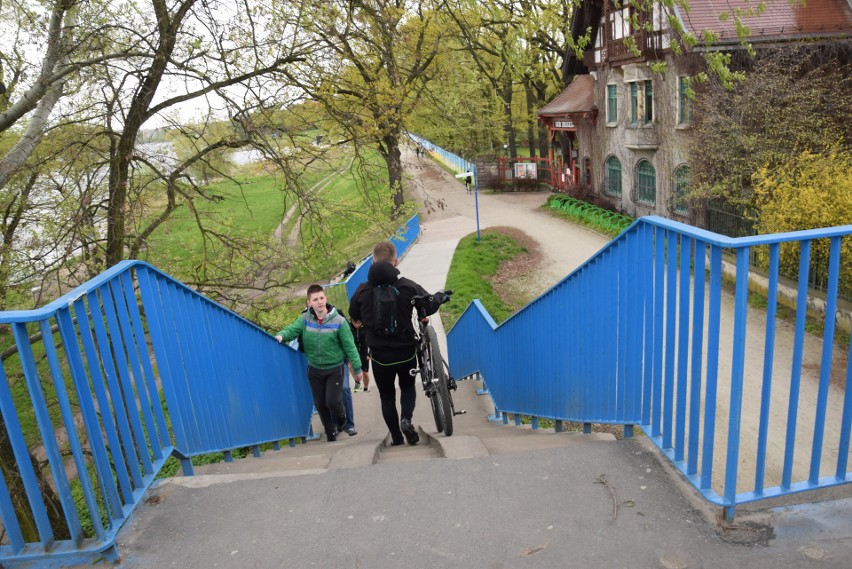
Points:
x=366 y=390
x=332 y=437
x=358 y=387
x=397 y=442
x=351 y=432
x=409 y=431
x=341 y=423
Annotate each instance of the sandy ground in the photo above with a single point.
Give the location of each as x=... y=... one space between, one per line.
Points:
x=449 y=213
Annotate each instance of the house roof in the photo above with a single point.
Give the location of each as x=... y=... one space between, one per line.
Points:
x=782 y=19
x=578 y=97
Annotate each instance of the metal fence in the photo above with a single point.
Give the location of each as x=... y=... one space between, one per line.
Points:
x=119 y=374
x=340 y=293
x=746 y=409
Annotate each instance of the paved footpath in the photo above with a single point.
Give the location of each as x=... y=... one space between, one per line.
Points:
x=501 y=496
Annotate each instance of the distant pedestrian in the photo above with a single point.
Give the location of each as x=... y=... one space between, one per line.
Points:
x=468 y=182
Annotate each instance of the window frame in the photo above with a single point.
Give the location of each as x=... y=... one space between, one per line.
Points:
x=680 y=189
x=649 y=102
x=684 y=103
x=611 y=103
x=644 y=190
x=611 y=179
x=634 y=102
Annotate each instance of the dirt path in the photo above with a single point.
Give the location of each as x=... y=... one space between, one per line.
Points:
x=449 y=213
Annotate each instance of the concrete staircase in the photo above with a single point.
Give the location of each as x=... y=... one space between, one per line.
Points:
x=474 y=436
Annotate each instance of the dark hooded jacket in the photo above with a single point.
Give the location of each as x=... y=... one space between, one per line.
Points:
x=399 y=347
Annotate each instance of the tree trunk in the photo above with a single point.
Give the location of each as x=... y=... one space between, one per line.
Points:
x=137 y=114
x=531 y=122
x=10 y=228
x=540 y=90
x=393 y=158
x=506 y=95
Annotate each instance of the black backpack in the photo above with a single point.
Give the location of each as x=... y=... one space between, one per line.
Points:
x=385 y=298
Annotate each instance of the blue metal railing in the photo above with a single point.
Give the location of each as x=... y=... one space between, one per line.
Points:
x=638 y=336
x=340 y=293
x=112 y=346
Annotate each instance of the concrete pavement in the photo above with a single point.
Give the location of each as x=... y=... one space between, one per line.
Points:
x=489 y=496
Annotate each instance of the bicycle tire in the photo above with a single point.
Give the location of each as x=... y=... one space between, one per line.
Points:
x=442 y=393
x=434 y=399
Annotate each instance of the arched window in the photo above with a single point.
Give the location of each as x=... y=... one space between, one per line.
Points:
x=646 y=183
x=681 y=190
x=612 y=183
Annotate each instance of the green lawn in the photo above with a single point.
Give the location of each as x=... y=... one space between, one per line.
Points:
x=472 y=265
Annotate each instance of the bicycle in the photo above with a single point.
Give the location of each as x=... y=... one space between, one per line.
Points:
x=438 y=383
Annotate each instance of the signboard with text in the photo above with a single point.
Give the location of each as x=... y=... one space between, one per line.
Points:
x=526 y=170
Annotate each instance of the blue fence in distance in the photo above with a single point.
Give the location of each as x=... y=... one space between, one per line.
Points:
x=452 y=161
x=340 y=293
x=639 y=336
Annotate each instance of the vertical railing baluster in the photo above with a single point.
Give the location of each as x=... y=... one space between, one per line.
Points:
x=7 y=509
x=633 y=364
x=768 y=359
x=737 y=370
x=698 y=295
x=796 y=370
x=659 y=320
x=671 y=321
x=845 y=422
x=825 y=363
x=713 y=326
x=683 y=333
x=647 y=284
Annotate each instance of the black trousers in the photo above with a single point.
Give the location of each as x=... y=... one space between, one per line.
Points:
x=327 y=390
x=385 y=377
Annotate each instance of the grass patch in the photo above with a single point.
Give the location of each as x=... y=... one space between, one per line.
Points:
x=249 y=207
x=473 y=263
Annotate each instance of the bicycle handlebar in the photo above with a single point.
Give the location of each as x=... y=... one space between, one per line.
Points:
x=416 y=300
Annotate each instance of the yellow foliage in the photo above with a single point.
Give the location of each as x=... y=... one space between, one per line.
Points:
x=809 y=191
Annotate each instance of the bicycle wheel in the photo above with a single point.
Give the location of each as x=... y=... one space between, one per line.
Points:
x=442 y=392
x=427 y=374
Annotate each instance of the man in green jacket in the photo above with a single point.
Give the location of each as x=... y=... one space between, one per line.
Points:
x=327 y=340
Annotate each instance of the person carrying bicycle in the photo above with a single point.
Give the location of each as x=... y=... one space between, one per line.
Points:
x=392 y=352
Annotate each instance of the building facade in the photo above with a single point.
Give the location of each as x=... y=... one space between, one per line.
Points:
x=628 y=147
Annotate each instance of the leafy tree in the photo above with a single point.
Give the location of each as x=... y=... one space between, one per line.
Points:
x=795 y=195
x=375 y=60
x=791 y=101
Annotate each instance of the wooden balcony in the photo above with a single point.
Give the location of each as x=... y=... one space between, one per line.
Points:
x=650 y=45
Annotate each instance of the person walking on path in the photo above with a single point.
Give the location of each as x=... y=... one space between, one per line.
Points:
x=328 y=341
x=392 y=354
x=468 y=182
